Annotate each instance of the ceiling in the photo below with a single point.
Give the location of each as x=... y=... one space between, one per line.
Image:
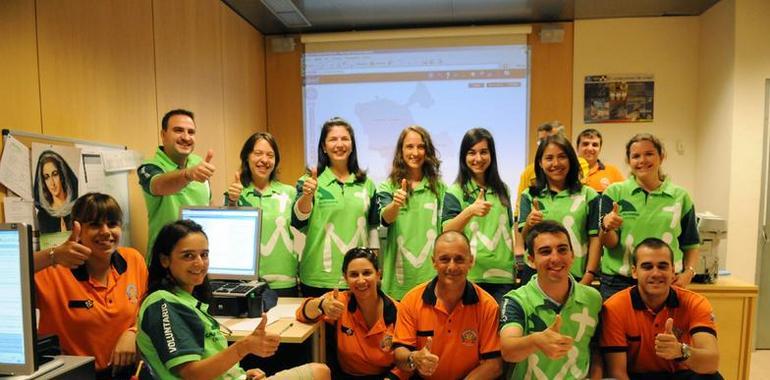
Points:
x=348 y=15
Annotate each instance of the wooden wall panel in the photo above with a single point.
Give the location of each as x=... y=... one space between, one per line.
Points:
x=243 y=53
x=284 y=109
x=551 y=82
x=19 y=94
x=188 y=59
x=96 y=70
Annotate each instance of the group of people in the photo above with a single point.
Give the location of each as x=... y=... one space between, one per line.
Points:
x=439 y=300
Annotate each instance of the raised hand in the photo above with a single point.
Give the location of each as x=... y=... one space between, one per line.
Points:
x=612 y=221
x=332 y=306
x=311 y=184
x=425 y=361
x=235 y=189
x=262 y=342
x=481 y=206
x=666 y=345
x=535 y=216
x=204 y=170
x=71 y=253
x=552 y=342
x=400 y=196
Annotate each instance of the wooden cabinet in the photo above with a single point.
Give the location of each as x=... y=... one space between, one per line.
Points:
x=734 y=303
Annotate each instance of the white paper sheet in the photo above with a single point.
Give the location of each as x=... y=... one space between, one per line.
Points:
x=18 y=210
x=15 y=171
x=94 y=173
x=123 y=160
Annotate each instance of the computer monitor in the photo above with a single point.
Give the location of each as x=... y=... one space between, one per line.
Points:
x=234 y=235
x=18 y=332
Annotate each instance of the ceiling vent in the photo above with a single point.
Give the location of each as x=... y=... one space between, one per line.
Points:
x=287 y=13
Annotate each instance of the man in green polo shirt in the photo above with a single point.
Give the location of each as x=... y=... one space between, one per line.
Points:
x=174 y=177
x=547 y=326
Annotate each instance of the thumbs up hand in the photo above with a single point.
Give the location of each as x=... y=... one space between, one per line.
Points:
x=311 y=184
x=481 y=206
x=552 y=342
x=204 y=170
x=235 y=189
x=612 y=221
x=332 y=306
x=667 y=346
x=399 y=197
x=261 y=342
x=425 y=361
x=535 y=215
x=71 y=253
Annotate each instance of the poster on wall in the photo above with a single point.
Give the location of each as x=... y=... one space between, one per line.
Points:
x=618 y=98
x=54 y=189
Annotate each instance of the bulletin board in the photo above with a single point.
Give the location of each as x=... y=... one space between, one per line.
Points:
x=96 y=167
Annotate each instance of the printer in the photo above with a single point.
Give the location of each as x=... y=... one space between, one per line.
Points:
x=712 y=230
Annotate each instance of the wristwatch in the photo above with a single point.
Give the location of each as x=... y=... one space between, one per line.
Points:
x=410 y=361
x=685 y=352
x=691 y=269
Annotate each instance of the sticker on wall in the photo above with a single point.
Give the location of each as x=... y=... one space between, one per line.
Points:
x=618 y=98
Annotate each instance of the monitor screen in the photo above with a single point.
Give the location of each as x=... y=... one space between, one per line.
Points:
x=233 y=235
x=17 y=317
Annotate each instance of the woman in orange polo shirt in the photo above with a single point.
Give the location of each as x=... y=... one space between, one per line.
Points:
x=363 y=318
x=88 y=288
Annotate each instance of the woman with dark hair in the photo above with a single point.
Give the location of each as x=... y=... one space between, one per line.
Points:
x=177 y=337
x=89 y=282
x=255 y=185
x=559 y=195
x=647 y=204
x=56 y=188
x=478 y=204
x=335 y=208
x=410 y=203
x=363 y=319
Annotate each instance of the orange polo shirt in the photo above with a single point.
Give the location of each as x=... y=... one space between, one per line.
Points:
x=461 y=339
x=629 y=326
x=361 y=350
x=603 y=175
x=87 y=316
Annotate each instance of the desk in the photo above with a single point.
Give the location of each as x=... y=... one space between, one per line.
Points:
x=74 y=367
x=734 y=303
x=298 y=333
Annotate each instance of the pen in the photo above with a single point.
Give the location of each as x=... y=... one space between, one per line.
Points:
x=286 y=328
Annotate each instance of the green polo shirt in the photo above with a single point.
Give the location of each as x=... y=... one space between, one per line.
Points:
x=342 y=215
x=666 y=213
x=278 y=261
x=490 y=236
x=406 y=258
x=164 y=209
x=175 y=328
x=532 y=310
x=578 y=213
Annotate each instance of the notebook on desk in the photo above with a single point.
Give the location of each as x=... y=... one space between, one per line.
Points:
x=234 y=250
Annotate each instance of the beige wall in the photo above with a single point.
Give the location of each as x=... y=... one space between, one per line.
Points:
x=108 y=70
x=715 y=111
x=752 y=68
x=664 y=47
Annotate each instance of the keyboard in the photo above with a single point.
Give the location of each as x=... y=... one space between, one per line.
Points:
x=235 y=289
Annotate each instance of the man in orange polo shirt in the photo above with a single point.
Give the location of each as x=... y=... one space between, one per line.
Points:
x=655 y=330
x=447 y=328
x=600 y=175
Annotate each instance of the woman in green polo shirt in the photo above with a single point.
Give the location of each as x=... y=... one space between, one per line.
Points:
x=410 y=206
x=335 y=208
x=478 y=204
x=177 y=336
x=646 y=204
x=256 y=185
x=559 y=195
